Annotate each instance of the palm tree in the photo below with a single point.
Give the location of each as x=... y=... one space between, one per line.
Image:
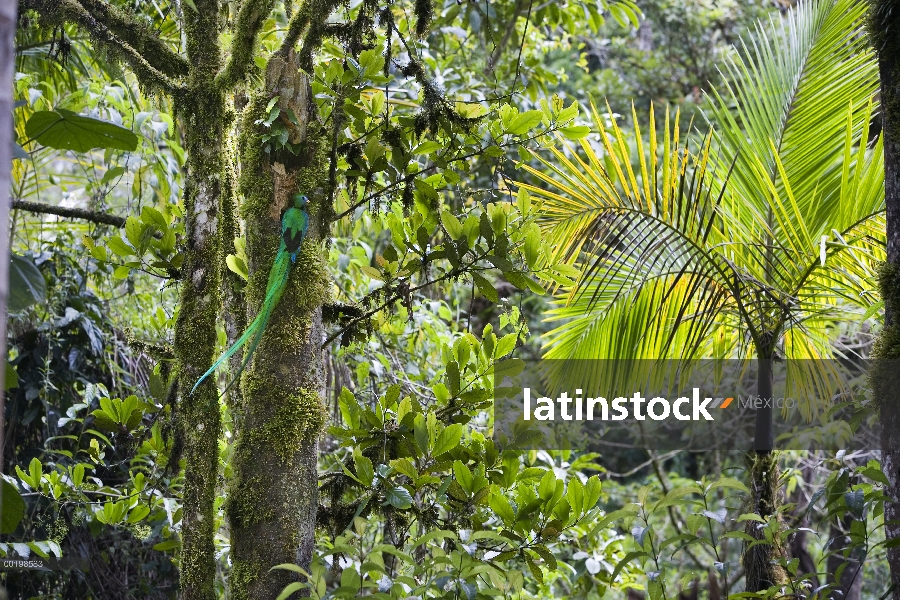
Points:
x=752 y=243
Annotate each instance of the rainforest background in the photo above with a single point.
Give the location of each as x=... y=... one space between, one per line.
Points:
x=489 y=182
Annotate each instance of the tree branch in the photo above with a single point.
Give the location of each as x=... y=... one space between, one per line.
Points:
x=142 y=38
x=249 y=21
x=73 y=12
x=69 y=213
x=295 y=27
x=312 y=13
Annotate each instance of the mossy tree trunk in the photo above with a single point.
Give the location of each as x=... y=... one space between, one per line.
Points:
x=884 y=21
x=234 y=313
x=761 y=562
x=273 y=494
x=202 y=111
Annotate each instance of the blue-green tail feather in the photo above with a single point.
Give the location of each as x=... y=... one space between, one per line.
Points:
x=278 y=278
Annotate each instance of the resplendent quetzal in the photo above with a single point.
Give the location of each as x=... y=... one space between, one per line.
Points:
x=294 y=225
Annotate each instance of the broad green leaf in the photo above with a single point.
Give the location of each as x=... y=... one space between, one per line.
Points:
x=547 y=486
x=575 y=496
x=13 y=507
x=151 y=216
x=437 y=534
x=167 y=545
x=576 y=132
x=505 y=345
x=35 y=470
x=627 y=559
x=138 y=513
x=420 y=430
x=856 y=502
x=448 y=439
x=427 y=147
x=64 y=130
x=26 y=284
x=364 y=469
x=291 y=589
x=78 y=475
x=486 y=288
x=236 y=265
x=501 y=506
x=119 y=246
x=524 y=122
x=729 y=482
x=112 y=173
x=398 y=497
x=11 y=379
x=463 y=476
x=405 y=466
x=451 y=224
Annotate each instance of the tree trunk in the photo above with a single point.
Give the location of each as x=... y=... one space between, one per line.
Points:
x=273 y=494
x=234 y=314
x=884 y=20
x=7 y=70
x=202 y=109
x=760 y=562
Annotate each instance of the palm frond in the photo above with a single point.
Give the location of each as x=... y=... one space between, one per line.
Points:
x=783 y=109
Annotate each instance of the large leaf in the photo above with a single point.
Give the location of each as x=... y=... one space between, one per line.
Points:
x=13 y=508
x=26 y=284
x=64 y=130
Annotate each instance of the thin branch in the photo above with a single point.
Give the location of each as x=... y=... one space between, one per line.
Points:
x=246 y=30
x=522 y=44
x=410 y=176
x=72 y=11
x=673 y=515
x=69 y=213
x=510 y=29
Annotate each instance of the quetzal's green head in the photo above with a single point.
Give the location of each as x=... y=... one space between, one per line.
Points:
x=300 y=201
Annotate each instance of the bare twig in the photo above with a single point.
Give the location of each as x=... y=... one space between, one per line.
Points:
x=93 y=216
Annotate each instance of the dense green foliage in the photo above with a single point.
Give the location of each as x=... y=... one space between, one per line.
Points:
x=469 y=163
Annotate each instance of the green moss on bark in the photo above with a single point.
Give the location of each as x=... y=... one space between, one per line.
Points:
x=297 y=416
x=255 y=184
x=243 y=573
x=887 y=346
x=761 y=561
